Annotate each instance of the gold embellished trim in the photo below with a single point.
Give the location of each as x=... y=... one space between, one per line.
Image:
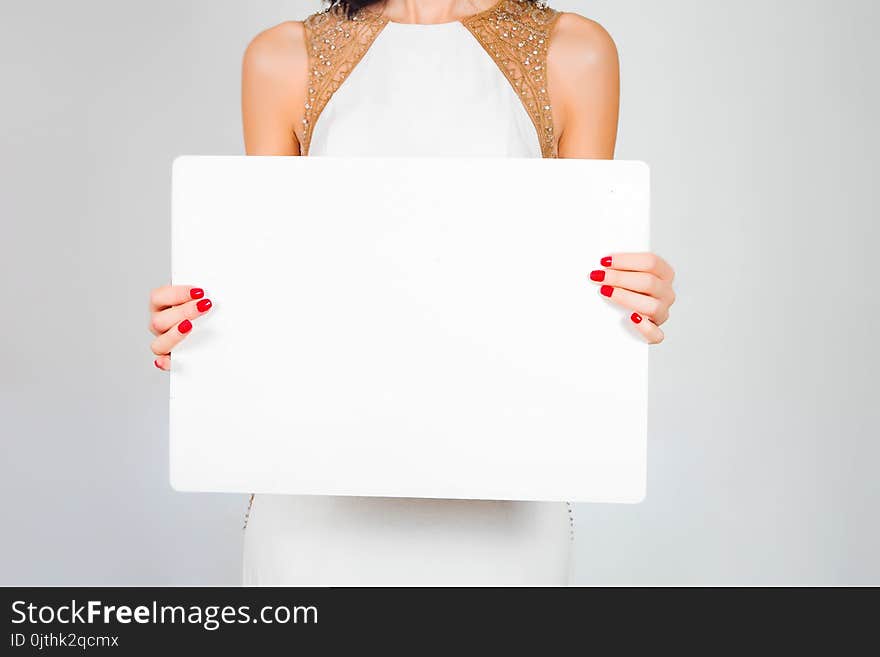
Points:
x=516 y=34
x=335 y=45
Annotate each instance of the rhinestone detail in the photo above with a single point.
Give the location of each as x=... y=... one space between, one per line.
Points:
x=335 y=44
x=515 y=34
x=247 y=513
x=504 y=31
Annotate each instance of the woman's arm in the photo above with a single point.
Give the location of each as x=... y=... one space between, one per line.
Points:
x=584 y=83
x=273 y=90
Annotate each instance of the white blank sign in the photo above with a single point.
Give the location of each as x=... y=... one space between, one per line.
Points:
x=408 y=328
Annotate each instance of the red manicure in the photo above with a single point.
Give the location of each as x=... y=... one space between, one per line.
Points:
x=156 y=363
x=196 y=293
x=204 y=305
x=185 y=326
x=607 y=290
x=636 y=318
x=597 y=275
x=606 y=261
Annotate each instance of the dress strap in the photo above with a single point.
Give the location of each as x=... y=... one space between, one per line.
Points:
x=516 y=34
x=336 y=43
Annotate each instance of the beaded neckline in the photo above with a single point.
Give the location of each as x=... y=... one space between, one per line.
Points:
x=453 y=22
x=514 y=33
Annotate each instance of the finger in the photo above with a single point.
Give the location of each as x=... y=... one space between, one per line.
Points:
x=647 y=262
x=652 y=333
x=165 y=319
x=163 y=363
x=643 y=304
x=173 y=295
x=164 y=343
x=636 y=281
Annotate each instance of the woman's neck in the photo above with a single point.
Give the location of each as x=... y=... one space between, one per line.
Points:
x=432 y=11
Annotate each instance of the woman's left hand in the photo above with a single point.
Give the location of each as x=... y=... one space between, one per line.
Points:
x=641 y=282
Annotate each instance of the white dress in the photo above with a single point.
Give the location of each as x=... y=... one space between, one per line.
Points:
x=415 y=90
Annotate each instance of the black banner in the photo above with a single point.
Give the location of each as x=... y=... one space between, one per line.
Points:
x=411 y=621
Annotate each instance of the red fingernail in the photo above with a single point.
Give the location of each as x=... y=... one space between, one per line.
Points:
x=156 y=363
x=607 y=290
x=185 y=326
x=196 y=293
x=597 y=275
x=204 y=305
x=606 y=261
x=636 y=318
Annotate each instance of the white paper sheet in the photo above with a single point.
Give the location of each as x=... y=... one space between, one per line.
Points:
x=408 y=327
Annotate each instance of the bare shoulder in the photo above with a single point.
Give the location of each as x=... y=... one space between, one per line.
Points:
x=584 y=77
x=273 y=90
x=581 y=47
x=278 y=53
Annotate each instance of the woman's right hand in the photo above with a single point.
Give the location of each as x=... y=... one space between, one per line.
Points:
x=172 y=309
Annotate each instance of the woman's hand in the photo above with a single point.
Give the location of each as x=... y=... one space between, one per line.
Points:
x=172 y=309
x=641 y=282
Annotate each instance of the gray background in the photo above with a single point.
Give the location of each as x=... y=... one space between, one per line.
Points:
x=759 y=121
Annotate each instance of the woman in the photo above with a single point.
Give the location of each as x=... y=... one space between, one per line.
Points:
x=426 y=77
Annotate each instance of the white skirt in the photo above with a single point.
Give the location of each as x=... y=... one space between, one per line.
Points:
x=363 y=541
